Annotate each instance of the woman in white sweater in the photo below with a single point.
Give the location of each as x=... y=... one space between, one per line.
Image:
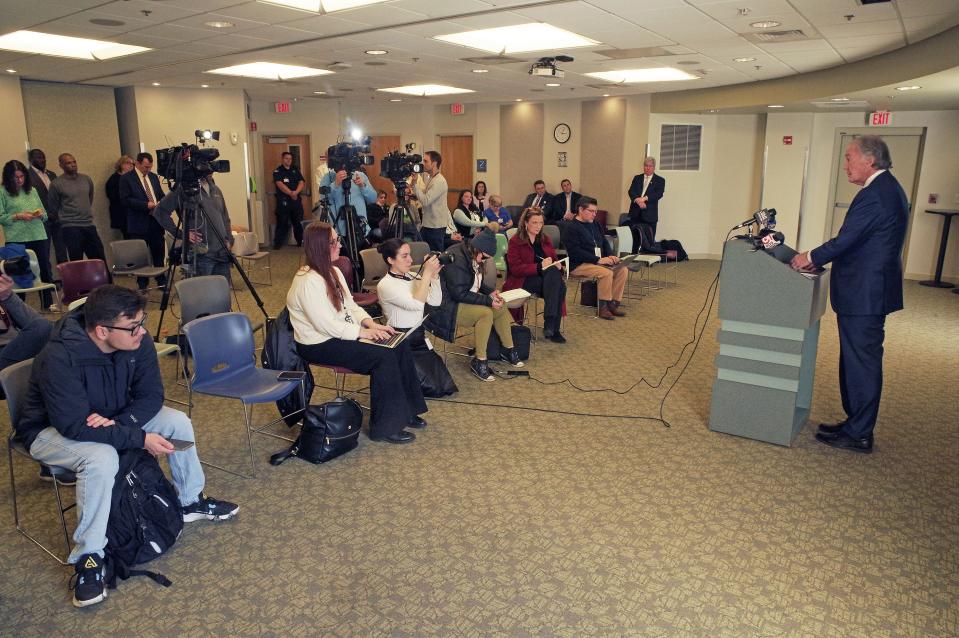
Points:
x=327 y=325
x=402 y=295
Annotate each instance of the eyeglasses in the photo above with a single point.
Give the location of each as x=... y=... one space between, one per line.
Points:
x=133 y=329
x=335 y=242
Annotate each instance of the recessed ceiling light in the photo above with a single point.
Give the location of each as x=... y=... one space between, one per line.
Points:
x=908 y=88
x=662 y=74
x=519 y=99
x=327 y=5
x=519 y=38
x=552 y=84
x=426 y=90
x=480 y=70
x=744 y=59
x=839 y=99
x=204 y=86
x=338 y=5
x=269 y=71
x=713 y=111
x=63 y=46
x=319 y=92
x=11 y=70
x=107 y=22
x=605 y=94
x=396 y=99
x=765 y=24
x=219 y=24
x=376 y=52
x=155 y=83
x=776 y=106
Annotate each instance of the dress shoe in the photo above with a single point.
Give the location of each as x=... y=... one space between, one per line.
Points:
x=605 y=313
x=831 y=428
x=843 y=441
x=615 y=309
x=417 y=423
x=556 y=338
x=400 y=437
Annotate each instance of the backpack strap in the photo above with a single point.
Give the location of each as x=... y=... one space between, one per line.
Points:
x=279 y=457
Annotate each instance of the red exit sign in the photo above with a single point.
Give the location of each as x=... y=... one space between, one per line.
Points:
x=282 y=107
x=457 y=109
x=880 y=118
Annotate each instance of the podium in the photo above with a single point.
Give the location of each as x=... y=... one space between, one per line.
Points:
x=768 y=337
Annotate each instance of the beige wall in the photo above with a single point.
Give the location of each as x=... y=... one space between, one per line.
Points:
x=737 y=168
x=486 y=145
x=87 y=130
x=521 y=126
x=13 y=142
x=566 y=112
x=635 y=136
x=783 y=185
x=603 y=147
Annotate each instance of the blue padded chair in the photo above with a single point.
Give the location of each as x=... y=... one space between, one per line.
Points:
x=225 y=366
x=15 y=380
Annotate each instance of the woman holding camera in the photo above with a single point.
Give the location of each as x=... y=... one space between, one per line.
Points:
x=468 y=218
x=22 y=216
x=468 y=301
x=531 y=264
x=327 y=326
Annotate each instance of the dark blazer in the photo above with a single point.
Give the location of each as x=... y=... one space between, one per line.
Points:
x=456 y=279
x=657 y=187
x=557 y=206
x=134 y=198
x=581 y=240
x=38 y=184
x=543 y=204
x=866 y=254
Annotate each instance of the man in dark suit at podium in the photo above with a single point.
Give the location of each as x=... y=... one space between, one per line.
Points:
x=140 y=191
x=866 y=286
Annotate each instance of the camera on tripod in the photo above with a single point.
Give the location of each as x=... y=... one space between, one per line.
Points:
x=349 y=156
x=397 y=167
x=186 y=164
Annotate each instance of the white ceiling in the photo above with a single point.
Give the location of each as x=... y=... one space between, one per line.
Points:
x=699 y=36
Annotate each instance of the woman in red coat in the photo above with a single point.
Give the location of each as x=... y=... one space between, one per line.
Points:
x=531 y=264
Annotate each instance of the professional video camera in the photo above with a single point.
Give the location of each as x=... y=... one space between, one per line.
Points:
x=397 y=167
x=349 y=156
x=185 y=164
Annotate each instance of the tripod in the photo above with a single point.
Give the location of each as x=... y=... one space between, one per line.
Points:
x=352 y=224
x=396 y=227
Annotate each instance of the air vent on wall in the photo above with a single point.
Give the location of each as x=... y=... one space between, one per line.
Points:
x=768 y=37
x=492 y=59
x=629 y=54
x=856 y=104
x=869 y=2
x=605 y=86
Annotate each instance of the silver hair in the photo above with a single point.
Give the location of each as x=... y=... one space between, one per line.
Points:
x=874 y=147
x=650 y=159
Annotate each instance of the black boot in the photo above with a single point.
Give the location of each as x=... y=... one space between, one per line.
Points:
x=551 y=329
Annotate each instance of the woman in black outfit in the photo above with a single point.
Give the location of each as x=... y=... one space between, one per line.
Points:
x=118 y=212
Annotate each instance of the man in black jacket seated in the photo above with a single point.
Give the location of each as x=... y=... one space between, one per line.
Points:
x=95 y=390
x=589 y=254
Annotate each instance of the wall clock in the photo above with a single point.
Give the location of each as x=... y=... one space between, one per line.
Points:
x=562 y=133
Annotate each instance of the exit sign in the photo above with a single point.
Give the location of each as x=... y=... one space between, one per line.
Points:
x=457 y=109
x=282 y=107
x=880 y=118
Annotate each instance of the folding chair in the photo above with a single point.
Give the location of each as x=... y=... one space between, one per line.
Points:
x=80 y=278
x=552 y=231
x=15 y=380
x=499 y=259
x=39 y=286
x=363 y=299
x=225 y=366
x=131 y=258
x=374 y=268
x=510 y=232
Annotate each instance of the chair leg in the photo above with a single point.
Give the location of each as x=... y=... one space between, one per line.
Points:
x=248 y=413
x=60 y=509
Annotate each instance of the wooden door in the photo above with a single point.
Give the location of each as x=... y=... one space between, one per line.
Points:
x=273 y=148
x=380 y=146
x=457 y=152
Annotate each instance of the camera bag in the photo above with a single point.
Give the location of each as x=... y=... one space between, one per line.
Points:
x=329 y=430
x=522 y=337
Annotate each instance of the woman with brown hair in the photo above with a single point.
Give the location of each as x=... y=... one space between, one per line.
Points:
x=118 y=212
x=531 y=264
x=327 y=326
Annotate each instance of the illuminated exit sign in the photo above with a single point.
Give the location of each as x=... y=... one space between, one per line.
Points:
x=282 y=107
x=880 y=118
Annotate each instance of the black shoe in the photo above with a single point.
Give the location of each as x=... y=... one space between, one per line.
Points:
x=400 y=437
x=480 y=368
x=63 y=477
x=89 y=588
x=831 y=428
x=510 y=356
x=556 y=337
x=615 y=309
x=417 y=423
x=843 y=441
x=210 y=509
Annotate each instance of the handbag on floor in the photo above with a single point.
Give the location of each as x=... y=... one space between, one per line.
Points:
x=522 y=336
x=329 y=430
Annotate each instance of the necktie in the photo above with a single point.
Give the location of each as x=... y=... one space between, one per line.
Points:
x=146 y=187
x=536 y=202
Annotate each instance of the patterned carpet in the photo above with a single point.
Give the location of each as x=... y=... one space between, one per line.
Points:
x=502 y=521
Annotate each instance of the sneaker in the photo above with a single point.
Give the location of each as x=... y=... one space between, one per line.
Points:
x=510 y=356
x=53 y=308
x=210 y=509
x=89 y=587
x=480 y=368
x=63 y=478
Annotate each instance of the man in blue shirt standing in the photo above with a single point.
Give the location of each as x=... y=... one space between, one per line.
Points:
x=361 y=194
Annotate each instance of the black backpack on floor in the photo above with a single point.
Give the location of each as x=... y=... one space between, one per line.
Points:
x=145 y=517
x=329 y=430
x=522 y=336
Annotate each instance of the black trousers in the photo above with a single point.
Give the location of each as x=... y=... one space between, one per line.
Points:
x=55 y=233
x=157 y=245
x=83 y=240
x=42 y=249
x=391 y=371
x=435 y=237
x=288 y=214
x=860 y=371
x=552 y=288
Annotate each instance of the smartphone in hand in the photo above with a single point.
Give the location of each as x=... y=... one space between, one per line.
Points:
x=180 y=445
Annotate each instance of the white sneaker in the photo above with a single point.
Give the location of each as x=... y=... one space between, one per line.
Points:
x=53 y=308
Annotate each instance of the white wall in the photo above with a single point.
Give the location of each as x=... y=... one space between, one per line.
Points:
x=783 y=185
x=567 y=112
x=13 y=142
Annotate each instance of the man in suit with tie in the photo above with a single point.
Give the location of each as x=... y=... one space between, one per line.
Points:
x=41 y=179
x=563 y=205
x=140 y=191
x=866 y=286
x=539 y=198
x=644 y=194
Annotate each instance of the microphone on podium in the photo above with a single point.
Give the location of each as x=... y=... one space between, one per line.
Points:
x=760 y=217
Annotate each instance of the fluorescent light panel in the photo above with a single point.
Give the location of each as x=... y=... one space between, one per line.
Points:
x=328 y=6
x=62 y=46
x=519 y=38
x=426 y=90
x=269 y=71
x=662 y=74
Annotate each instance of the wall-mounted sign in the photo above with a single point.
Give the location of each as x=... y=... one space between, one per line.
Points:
x=880 y=118
x=457 y=109
x=787 y=140
x=252 y=126
x=480 y=166
x=282 y=107
x=561 y=159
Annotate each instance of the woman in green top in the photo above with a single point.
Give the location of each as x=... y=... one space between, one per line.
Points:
x=22 y=217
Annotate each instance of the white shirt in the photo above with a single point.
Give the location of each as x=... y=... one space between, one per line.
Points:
x=42 y=175
x=646 y=180
x=147 y=186
x=314 y=317
x=872 y=177
x=402 y=310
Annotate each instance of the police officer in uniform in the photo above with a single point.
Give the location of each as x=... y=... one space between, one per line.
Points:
x=289 y=184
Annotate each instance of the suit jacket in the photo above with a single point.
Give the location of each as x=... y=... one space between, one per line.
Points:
x=650 y=214
x=134 y=199
x=557 y=206
x=543 y=204
x=866 y=254
x=42 y=190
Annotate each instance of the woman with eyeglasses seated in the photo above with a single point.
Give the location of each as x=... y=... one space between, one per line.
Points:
x=468 y=218
x=531 y=264
x=497 y=213
x=404 y=296
x=468 y=301
x=327 y=327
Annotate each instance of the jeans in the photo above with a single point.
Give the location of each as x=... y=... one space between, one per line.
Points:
x=209 y=266
x=96 y=466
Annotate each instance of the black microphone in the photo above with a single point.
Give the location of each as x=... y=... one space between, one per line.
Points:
x=759 y=217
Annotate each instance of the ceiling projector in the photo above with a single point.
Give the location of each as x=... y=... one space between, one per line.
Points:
x=546 y=67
